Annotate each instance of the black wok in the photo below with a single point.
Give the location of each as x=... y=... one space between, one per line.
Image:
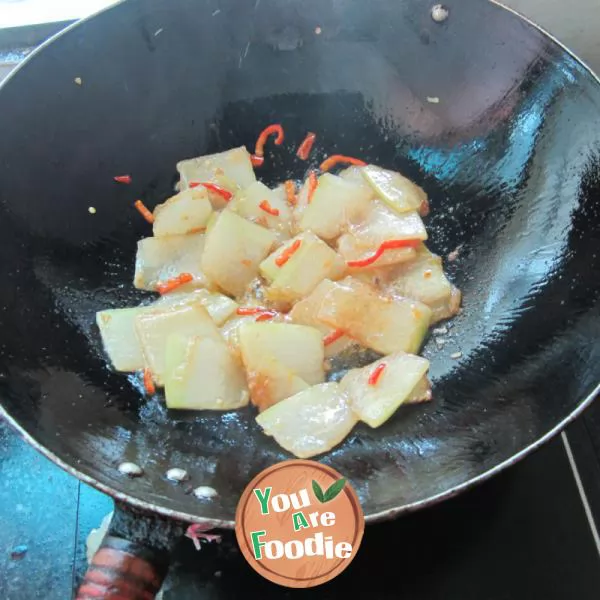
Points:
x=499 y=124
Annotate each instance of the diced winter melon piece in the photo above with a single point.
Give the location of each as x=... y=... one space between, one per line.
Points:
x=310 y=422
x=276 y=355
x=383 y=323
x=398 y=192
x=202 y=374
x=354 y=174
x=154 y=327
x=297 y=347
x=383 y=224
x=231 y=328
x=335 y=204
x=421 y=392
x=247 y=204
x=424 y=279
x=231 y=170
x=376 y=403
x=272 y=383
x=351 y=249
x=305 y=313
x=219 y=307
x=234 y=248
x=186 y=212
x=117 y=328
x=160 y=259
x=312 y=262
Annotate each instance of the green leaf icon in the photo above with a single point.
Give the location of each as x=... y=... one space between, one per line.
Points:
x=334 y=489
x=318 y=491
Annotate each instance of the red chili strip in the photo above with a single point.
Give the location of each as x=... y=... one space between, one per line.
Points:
x=334 y=160
x=259 y=149
x=123 y=179
x=389 y=245
x=306 y=146
x=313 y=182
x=143 y=210
x=148 y=382
x=376 y=374
x=290 y=192
x=264 y=205
x=266 y=316
x=249 y=310
x=213 y=187
x=175 y=282
x=334 y=336
x=287 y=253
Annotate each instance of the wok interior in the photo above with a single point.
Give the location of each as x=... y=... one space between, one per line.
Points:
x=509 y=155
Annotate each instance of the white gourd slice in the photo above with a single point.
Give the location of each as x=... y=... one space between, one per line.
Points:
x=248 y=205
x=154 y=327
x=398 y=192
x=375 y=403
x=160 y=259
x=311 y=422
x=424 y=279
x=383 y=323
x=305 y=313
x=202 y=374
x=233 y=251
x=232 y=170
x=280 y=359
x=117 y=328
x=186 y=212
x=335 y=204
x=312 y=262
x=219 y=307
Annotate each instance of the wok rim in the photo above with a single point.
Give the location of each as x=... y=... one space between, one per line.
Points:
x=384 y=515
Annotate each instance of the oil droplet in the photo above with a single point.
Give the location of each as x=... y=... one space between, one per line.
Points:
x=177 y=475
x=130 y=469
x=204 y=491
x=439 y=13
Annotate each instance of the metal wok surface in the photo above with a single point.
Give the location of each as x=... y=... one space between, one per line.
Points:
x=497 y=122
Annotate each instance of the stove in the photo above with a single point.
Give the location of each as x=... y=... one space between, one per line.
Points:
x=529 y=533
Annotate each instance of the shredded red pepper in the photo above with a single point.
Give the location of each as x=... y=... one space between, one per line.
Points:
x=313 y=182
x=148 y=382
x=213 y=187
x=389 y=245
x=264 y=205
x=175 y=282
x=249 y=310
x=334 y=336
x=123 y=179
x=257 y=161
x=287 y=253
x=259 y=149
x=332 y=161
x=376 y=374
x=290 y=192
x=306 y=146
x=266 y=316
x=143 y=210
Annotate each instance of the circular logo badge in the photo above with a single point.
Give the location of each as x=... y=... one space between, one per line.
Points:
x=299 y=523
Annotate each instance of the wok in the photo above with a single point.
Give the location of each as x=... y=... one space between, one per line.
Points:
x=497 y=121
